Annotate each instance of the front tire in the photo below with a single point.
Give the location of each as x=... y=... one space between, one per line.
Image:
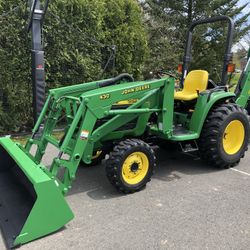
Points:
x=225 y=136
x=130 y=165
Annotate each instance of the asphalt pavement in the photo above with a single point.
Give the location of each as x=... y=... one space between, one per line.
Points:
x=187 y=205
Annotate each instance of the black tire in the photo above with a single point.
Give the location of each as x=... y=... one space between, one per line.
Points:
x=213 y=148
x=116 y=165
x=248 y=107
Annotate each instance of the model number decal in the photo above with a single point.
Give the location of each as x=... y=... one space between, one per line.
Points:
x=105 y=96
x=136 y=89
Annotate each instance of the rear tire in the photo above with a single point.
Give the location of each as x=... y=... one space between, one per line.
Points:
x=130 y=165
x=225 y=136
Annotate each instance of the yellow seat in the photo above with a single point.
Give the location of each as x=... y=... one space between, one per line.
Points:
x=195 y=82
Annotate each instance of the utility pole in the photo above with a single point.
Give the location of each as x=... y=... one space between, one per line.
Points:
x=38 y=73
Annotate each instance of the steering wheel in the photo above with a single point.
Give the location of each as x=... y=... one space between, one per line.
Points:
x=210 y=81
x=160 y=74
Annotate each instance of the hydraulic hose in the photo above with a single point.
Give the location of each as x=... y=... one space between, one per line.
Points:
x=116 y=80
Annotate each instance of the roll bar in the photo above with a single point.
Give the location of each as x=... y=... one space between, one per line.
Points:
x=228 y=54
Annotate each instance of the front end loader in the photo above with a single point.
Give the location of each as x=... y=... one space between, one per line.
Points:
x=95 y=120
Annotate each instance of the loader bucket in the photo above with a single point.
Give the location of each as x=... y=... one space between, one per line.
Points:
x=31 y=204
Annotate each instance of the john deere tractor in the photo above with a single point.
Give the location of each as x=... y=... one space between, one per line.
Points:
x=202 y=114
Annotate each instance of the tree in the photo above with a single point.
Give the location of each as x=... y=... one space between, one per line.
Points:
x=163 y=53
x=246 y=40
x=78 y=36
x=15 y=79
x=208 y=45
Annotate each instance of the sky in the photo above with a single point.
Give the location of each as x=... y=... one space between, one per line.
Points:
x=247 y=9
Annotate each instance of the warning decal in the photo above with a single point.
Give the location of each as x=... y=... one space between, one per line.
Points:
x=84 y=135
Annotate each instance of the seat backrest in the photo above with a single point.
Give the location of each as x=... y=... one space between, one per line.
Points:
x=196 y=80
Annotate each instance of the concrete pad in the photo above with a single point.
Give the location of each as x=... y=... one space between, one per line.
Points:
x=187 y=205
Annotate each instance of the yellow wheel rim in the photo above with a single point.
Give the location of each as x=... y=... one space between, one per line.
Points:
x=96 y=155
x=135 y=168
x=233 y=137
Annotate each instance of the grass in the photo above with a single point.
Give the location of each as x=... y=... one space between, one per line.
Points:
x=23 y=139
x=235 y=78
x=20 y=139
x=234 y=81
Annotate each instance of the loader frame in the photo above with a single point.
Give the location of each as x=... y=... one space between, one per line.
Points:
x=83 y=105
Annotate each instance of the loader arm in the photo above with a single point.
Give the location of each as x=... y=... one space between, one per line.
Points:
x=83 y=112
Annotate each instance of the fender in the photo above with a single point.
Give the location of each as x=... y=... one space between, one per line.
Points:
x=203 y=108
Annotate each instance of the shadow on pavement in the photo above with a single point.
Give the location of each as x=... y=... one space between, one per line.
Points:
x=171 y=166
x=171 y=163
x=93 y=180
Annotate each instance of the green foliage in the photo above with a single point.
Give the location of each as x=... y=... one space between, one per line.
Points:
x=164 y=52
x=75 y=40
x=78 y=40
x=75 y=35
x=209 y=42
x=125 y=30
x=15 y=102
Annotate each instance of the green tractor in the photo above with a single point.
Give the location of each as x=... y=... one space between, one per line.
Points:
x=203 y=114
